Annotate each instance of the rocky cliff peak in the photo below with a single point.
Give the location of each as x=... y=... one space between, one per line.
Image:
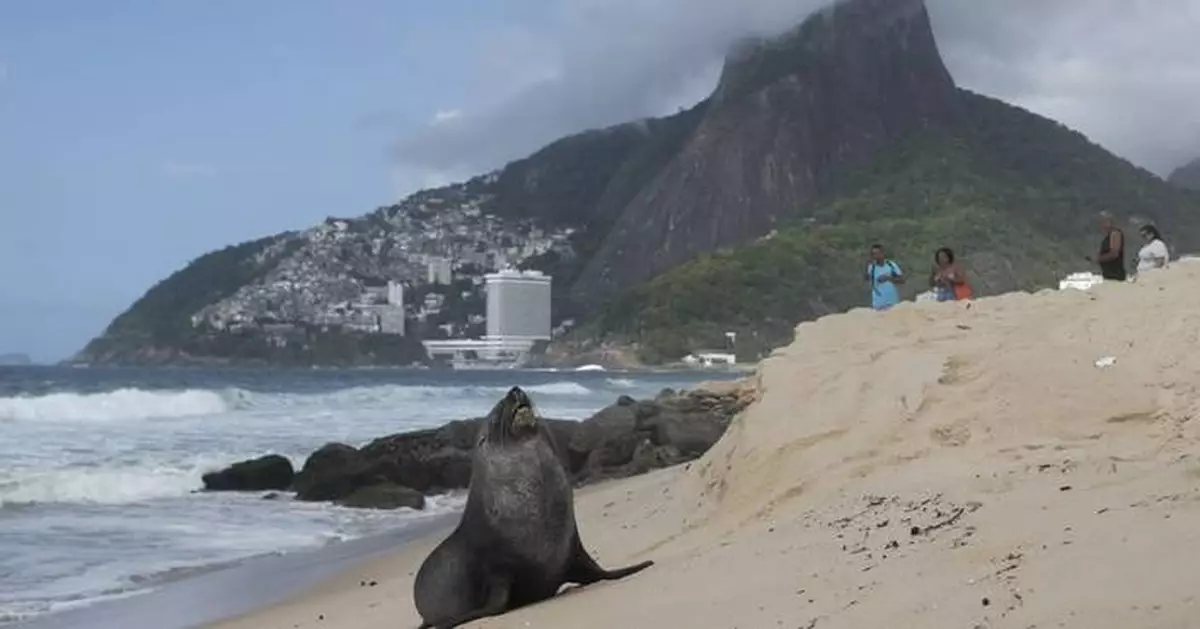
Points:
x=789 y=117
x=849 y=35
x=1187 y=176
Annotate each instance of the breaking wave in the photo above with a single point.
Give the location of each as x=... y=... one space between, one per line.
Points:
x=121 y=404
x=126 y=484
x=133 y=404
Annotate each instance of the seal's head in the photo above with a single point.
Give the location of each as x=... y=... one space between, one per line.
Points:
x=513 y=417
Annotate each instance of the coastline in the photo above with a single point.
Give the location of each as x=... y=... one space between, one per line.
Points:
x=307 y=588
x=137 y=590
x=340 y=601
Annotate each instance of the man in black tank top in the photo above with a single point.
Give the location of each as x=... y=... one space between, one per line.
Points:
x=1112 y=250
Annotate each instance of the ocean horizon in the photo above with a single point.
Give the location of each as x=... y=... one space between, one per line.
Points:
x=100 y=468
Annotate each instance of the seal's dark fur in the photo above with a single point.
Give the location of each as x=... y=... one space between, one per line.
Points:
x=517 y=542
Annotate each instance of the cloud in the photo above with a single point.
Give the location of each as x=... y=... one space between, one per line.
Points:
x=185 y=170
x=600 y=62
x=446 y=116
x=1121 y=71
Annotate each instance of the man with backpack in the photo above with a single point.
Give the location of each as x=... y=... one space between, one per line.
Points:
x=884 y=275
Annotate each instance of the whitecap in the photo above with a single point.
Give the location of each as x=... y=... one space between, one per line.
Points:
x=117 y=405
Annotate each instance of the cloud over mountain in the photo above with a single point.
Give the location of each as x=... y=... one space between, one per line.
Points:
x=1122 y=72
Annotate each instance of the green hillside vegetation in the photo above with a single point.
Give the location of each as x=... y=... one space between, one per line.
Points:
x=156 y=319
x=1016 y=195
x=584 y=182
x=310 y=345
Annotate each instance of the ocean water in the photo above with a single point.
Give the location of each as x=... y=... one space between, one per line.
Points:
x=99 y=467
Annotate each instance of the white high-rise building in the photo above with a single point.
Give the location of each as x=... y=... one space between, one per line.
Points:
x=390 y=318
x=395 y=294
x=518 y=305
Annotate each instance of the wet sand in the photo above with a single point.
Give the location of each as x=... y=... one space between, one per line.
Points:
x=226 y=593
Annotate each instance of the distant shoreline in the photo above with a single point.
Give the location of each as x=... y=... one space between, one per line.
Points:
x=735 y=369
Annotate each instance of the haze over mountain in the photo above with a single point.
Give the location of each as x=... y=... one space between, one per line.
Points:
x=844 y=131
x=1120 y=72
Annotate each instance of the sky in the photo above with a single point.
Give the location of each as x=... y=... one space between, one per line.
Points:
x=136 y=135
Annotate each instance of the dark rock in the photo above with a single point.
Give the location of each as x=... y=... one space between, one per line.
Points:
x=268 y=472
x=607 y=425
x=628 y=437
x=613 y=452
x=384 y=496
x=647 y=457
x=692 y=434
x=645 y=410
x=449 y=468
x=439 y=459
x=332 y=472
x=460 y=434
x=675 y=429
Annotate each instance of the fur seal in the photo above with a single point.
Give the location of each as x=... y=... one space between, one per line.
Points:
x=517 y=542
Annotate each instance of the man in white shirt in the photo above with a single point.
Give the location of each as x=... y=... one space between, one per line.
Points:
x=1154 y=253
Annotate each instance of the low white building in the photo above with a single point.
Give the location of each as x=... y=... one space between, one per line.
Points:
x=485 y=351
x=711 y=359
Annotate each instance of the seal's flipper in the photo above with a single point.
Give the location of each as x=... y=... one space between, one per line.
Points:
x=584 y=570
x=499 y=589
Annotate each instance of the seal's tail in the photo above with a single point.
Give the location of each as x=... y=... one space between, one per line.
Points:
x=585 y=570
x=621 y=573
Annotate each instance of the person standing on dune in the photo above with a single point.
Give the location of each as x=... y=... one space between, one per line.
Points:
x=947 y=277
x=1154 y=254
x=883 y=275
x=1111 y=257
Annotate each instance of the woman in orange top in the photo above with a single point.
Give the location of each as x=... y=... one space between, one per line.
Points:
x=948 y=277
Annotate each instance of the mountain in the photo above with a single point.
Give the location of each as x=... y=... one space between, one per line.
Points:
x=1187 y=176
x=748 y=212
x=788 y=118
x=1014 y=194
x=15 y=360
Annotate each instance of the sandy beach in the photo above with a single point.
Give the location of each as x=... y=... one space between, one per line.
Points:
x=1020 y=461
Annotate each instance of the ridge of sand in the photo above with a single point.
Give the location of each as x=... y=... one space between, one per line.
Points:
x=938 y=465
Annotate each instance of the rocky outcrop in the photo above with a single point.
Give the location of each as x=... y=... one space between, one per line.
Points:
x=333 y=472
x=627 y=438
x=261 y=474
x=384 y=496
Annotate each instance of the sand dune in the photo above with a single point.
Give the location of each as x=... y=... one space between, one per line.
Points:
x=939 y=465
